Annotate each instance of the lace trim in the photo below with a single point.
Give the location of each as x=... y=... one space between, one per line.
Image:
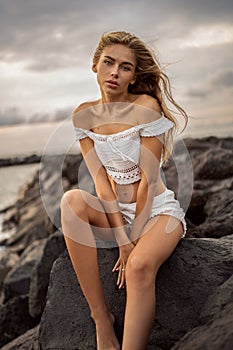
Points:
x=154 y=128
x=125 y=171
x=125 y=176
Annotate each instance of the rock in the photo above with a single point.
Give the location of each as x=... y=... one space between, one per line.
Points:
x=27 y=341
x=205 y=164
x=213 y=212
x=196 y=268
x=66 y=322
x=26 y=235
x=15 y=319
x=215 y=335
x=11 y=219
x=54 y=246
x=222 y=296
x=18 y=279
x=8 y=260
x=57 y=175
x=70 y=169
x=211 y=208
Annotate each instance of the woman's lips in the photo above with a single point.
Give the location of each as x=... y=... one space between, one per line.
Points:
x=112 y=83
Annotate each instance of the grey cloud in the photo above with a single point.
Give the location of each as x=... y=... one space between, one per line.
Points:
x=12 y=116
x=57 y=115
x=198 y=92
x=222 y=79
x=28 y=28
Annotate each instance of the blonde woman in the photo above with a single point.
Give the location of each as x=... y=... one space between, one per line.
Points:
x=125 y=136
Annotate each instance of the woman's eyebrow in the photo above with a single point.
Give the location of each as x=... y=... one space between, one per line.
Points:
x=112 y=59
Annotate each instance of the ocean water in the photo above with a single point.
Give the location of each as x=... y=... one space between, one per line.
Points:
x=12 y=178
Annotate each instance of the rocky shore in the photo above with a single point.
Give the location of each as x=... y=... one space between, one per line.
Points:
x=41 y=303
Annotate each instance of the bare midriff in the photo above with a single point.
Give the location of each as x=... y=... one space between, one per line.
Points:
x=128 y=193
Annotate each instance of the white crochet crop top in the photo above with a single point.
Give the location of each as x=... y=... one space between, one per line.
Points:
x=119 y=153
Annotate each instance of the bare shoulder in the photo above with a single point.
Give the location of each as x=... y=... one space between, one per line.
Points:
x=151 y=109
x=78 y=118
x=149 y=102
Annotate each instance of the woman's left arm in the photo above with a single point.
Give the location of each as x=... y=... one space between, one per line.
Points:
x=150 y=155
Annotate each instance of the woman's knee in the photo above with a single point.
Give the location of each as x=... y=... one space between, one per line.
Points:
x=139 y=271
x=73 y=202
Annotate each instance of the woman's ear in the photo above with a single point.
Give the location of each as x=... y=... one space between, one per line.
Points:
x=133 y=81
x=94 y=67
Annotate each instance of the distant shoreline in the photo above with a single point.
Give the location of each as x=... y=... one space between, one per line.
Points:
x=20 y=160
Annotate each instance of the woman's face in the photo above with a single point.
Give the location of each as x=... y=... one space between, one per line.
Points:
x=115 y=69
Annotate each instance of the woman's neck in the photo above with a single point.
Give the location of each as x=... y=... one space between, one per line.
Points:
x=106 y=98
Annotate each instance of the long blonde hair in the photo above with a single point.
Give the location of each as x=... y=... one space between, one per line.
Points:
x=151 y=80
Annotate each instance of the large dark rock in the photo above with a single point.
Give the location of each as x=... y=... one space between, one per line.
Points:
x=15 y=319
x=184 y=283
x=205 y=164
x=217 y=301
x=66 y=322
x=39 y=282
x=18 y=279
x=214 y=335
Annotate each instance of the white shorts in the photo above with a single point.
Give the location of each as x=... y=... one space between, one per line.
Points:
x=164 y=203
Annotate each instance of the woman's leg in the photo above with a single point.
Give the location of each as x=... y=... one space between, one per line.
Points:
x=83 y=216
x=152 y=249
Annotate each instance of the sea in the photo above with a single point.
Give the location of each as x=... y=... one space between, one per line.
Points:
x=59 y=138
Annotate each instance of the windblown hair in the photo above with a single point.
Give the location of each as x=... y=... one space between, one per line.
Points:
x=151 y=80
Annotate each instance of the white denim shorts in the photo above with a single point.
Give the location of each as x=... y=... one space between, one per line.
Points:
x=164 y=203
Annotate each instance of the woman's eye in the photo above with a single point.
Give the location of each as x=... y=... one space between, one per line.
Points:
x=108 y=62
x=125 y=68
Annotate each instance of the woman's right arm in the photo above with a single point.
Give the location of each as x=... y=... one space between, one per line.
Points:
x=104 y=190
x=110 y=205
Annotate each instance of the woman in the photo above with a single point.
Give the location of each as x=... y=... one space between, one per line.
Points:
x=124 y=137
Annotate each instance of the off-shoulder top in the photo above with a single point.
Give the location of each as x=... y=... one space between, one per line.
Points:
x=120 y=152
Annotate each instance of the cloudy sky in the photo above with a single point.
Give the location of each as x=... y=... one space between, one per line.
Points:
x=46 y=49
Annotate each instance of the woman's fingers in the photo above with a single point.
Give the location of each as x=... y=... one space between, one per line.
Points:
x=121 y=277
x=120 y=267
x=117 y=265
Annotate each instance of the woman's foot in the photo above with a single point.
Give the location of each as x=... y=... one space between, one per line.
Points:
x=105 y=335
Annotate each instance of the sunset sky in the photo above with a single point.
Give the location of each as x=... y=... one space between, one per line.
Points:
x=46 y=49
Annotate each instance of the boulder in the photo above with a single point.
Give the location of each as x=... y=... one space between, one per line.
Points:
x=217 y=301
x=214 y=335
x=39 y=282
x=209 y=210
x=18 y=279
x=15 y=319
x=205 y=164
x=66 y=322
x=185 y=281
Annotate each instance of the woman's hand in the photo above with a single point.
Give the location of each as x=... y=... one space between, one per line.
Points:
x=124 y=252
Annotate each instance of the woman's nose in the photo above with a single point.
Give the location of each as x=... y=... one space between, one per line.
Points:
x=114 y=72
